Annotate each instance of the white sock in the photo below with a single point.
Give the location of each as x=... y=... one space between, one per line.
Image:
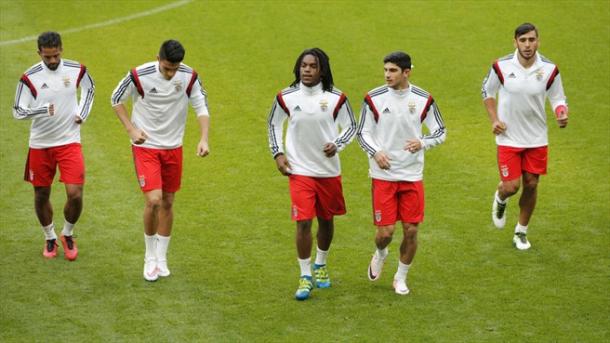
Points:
x=162 y=245
x=68 y=229
x=49 y=232
x=520 y=228
x=151 y=246
x=500 y=200
x=321 y=256
x=305 y=265
x=401 y=273
x=382 y=253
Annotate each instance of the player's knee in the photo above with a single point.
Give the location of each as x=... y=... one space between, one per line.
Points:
x=153 y=202
x=41 y=195
x=385 y=232
x=530 y=183
x=410 y=232
x=510 y=188
x=75 y=195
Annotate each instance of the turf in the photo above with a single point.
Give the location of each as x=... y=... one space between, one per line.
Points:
x=232 y=255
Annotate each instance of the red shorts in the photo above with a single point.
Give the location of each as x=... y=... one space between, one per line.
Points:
x=41 y=165
x=513 y=161
x=316 y=197
x=397 y=200
x=158 y=168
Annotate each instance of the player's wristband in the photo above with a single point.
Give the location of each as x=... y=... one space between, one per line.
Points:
x=561 y=109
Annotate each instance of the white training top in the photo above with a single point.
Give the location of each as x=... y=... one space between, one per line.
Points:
x=521 y=102
x=314 y=116
x=388 y=119
x=160 y=105
x=40 y=87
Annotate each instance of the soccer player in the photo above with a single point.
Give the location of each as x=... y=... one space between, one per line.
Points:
x=390 y=132
x=47 y=94
x=161 y=91
x=315 y=110
x=523 y=80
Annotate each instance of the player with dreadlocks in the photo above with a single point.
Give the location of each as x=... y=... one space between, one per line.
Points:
x=315 y=111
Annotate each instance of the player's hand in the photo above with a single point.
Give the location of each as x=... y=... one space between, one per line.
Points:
x=330 y=149
x=382 y=159
x=51 y=110
x=78 y=119
x=413 y=145
x=562 y=117
x=137 y=136
x=498 y=127
x=282 y=165
x=202 y=148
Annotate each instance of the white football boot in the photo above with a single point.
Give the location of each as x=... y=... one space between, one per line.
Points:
x=151 y=272
x=162 y=269
x=400 y=287
x=498 y=212
x=375 y=267
x=520 y=241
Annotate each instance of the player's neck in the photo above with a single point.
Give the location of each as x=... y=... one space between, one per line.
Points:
x=526 y=63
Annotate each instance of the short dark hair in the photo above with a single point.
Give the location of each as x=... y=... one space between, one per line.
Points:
x=326 y=74
x=172 y=51
x=401 y=59
x=525 y=28
x=49 y=39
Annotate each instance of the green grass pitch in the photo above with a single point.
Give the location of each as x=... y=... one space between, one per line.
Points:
x=232 y=256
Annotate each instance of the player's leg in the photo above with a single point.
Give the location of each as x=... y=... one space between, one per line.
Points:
x=72 y=211
x=40 y=171
x=534 y=165
x=164 y=231
x=411 y=213
x=324 y=237
x=304 y=243
x=148 y=170
x=527 y=204
x=44 y=212
x=171 y=175
x=509 y=166
x=329 y=203
x=302 y=195
x=385 y=214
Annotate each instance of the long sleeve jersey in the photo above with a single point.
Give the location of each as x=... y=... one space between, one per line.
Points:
x=160 y=105
x=314 y=117
x=388 y=119
x=522 y=94
x=39 y=87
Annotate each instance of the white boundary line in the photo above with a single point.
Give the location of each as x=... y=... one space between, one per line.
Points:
x=104 y=23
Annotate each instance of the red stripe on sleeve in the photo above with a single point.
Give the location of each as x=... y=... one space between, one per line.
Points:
x=552 y=78
x=83 y=69
x=424 y=113
x=369 y=101
x=280 y=100
x=30 y=85
x=191 y=83
x=136 y=81
x=496 y=68
x=339 y=104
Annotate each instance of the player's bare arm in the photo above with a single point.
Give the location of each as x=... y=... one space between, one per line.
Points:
x=202 y=147
x=137 y=136
x=497 y=127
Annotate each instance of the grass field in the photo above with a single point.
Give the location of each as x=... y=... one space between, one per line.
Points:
x=232 y=256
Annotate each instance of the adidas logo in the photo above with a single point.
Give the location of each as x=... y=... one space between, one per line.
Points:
x=153 y=90
x=512 y=75
x=44 y=86
x=387 y=110
x=297 y=108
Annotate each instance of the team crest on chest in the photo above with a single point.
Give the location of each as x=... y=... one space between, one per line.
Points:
x=539 y=74
x=324 y=104
x=66 y=80
x=411 y=106
x=178 y=86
